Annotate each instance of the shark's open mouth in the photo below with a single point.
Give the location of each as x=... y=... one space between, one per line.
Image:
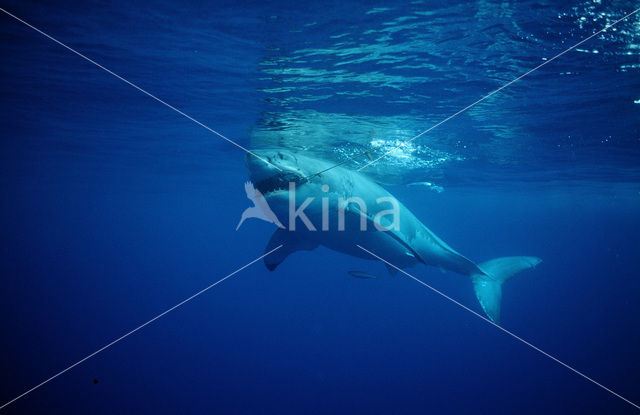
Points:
x=279 y=182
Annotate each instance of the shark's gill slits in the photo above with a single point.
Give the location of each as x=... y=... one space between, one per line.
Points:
x=279 y=182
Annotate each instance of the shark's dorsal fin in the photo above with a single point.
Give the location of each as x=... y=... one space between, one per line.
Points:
x=290 y=241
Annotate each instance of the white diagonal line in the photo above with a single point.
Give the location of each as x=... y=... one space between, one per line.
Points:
x=500 y=89
x=138 y=328
x=501 y=328
x=137 y=87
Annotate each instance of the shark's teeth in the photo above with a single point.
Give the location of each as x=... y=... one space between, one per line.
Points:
x=279 y=182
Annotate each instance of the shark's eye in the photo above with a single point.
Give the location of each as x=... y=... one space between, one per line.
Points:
x=280 y=156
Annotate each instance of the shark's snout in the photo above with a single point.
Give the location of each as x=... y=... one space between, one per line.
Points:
x=260 y=166
x=273 y=170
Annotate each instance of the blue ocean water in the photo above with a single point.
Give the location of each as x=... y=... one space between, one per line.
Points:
x=115 y=208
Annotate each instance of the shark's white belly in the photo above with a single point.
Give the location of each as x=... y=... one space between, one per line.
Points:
x=347 y=238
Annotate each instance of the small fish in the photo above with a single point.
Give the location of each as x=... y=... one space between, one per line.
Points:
x=364 y=275
x=430 y=185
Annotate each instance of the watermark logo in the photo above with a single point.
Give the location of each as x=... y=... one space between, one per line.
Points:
x=260 y=208
x=353 y=207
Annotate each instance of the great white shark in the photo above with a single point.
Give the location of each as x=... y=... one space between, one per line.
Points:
x=311 y=206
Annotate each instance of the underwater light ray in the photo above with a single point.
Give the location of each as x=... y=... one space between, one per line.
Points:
x=365 y=153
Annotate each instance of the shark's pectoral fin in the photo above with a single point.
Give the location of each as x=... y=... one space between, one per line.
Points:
x=392 y=271
x=354 y=209
x=290 y=241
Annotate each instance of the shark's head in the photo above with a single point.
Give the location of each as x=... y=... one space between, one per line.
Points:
x=290 y=180
x=275 y=169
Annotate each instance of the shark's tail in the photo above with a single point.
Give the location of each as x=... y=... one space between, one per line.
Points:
x=488 y=285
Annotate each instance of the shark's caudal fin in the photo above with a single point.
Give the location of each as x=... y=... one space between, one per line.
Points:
x=488 y=286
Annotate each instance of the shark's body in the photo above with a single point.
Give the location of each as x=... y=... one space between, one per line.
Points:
x=407 y=244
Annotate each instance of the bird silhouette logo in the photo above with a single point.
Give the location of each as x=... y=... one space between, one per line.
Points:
x=260 y=208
